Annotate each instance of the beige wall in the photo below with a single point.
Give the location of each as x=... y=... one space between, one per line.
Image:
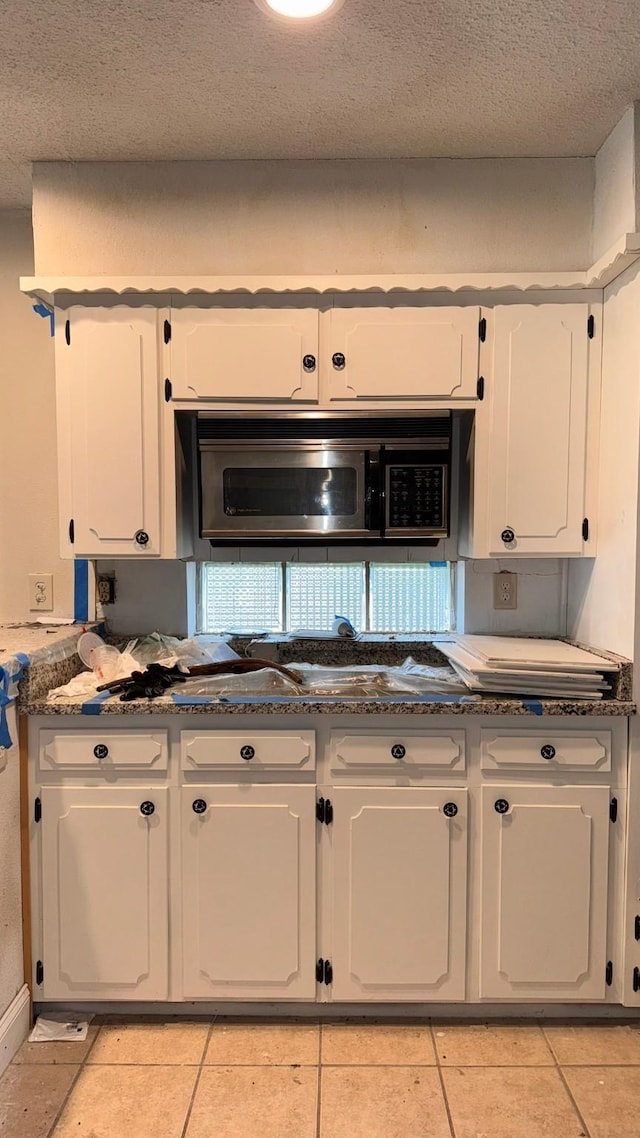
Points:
x=411 y=216
x=28 y=501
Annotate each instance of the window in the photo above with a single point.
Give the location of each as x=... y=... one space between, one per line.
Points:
x=282 y=596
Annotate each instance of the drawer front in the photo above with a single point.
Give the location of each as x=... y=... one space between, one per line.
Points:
x=248 y=750
x=553 y=750
x=104 y=750
x=402 y=750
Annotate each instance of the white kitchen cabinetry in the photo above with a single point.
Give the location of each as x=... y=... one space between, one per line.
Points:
x=248 y=891
x=258 y=355
x=409 y=354
x=104 y=893
x=399 y=865
x=529 y=482
x=544 y=892
x=108 y=421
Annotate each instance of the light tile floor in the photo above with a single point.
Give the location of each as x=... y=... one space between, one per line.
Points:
x=223 y=1079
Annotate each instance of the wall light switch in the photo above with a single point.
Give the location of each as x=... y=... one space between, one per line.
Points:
x=505 y=590
x=40 y=592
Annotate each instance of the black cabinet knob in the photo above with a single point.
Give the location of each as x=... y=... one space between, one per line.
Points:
x=142 y=537
x=147 y=808
x=548 y=751
x=199 y=806
x=309 y=363
x=449 y=809
x=501 y=806
x=398 y=751
x=247 y=753
x=508 y=536
x=338 y=360
x=101 y=750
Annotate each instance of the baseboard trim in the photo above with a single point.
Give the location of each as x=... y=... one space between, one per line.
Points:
x=14 y=1027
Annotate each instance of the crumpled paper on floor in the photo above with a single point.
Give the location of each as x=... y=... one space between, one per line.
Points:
x=60 y=1027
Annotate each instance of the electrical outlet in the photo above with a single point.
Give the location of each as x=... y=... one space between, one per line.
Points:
x=106 y=589
x=505 y=590
x=40 y=592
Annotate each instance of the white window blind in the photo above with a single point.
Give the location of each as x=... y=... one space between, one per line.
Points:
x=280 y=597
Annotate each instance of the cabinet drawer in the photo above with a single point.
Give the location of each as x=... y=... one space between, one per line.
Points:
x=103 y=750
x=552 y=750
x=248 y=750
x=402 y=750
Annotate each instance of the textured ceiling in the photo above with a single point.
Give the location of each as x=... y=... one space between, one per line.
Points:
x=176 y=79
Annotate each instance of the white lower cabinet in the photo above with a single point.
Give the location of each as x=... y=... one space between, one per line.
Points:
x=104 y=893
x=248 y=896
x=399 y=893
x=544 y=892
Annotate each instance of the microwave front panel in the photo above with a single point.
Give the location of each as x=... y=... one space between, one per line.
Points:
x=287 y=492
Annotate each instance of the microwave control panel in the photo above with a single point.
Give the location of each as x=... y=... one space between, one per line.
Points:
x=416 y=498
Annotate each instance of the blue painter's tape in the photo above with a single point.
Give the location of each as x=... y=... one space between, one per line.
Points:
x=533 y=705
x=42 y=310
x=80 y=591
x=187 y=699
x=93 y=706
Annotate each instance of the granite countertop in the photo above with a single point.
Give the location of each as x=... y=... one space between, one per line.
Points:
x=25 y=645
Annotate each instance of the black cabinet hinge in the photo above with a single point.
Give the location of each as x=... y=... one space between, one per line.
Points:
x=37 y=810
x=72 y=532
x=480 y=387
x=324 y=811
x=636 y=928
x=482 y=329
x=585 y=530
x=167 y=331
x=324 y=971
x=636 y=979
x=67 y=331
x=39 y=972
x=609 y=973
x=168 y=390
x=591 y=327
x=613 y=810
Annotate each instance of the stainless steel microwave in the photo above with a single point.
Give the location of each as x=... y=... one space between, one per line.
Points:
x=324 y=477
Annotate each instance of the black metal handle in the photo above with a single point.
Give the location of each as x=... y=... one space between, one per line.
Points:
x=309 y=362
x=507 y=536
x=449 y=809
x=501 y=806
x=142 y=537
x=147 y=808
x=338 y=360
x=101 y=750
x=247 y=753
x=398 y=751
x=548 y=751
x=199 y=806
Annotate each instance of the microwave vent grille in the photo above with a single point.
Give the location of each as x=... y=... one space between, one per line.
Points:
x=218 y=428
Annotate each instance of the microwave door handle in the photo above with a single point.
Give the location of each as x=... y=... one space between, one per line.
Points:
x=373 y=493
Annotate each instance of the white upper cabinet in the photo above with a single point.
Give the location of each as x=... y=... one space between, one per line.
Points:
x=531 y=439
x=544 y=892
x=258 y=355
x=408 y=354
x=108 y=432
x=399 y=893
x=104 y=893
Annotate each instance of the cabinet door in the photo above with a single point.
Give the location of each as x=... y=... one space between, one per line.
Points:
x=249 y=891
x=403 y=353
x=104 y=893
x=108 y=432
x=399 y=894
x=544 y=892
x=538 y=430
x=256 y=354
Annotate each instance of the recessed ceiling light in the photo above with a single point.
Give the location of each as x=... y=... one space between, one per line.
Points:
x=300 y=9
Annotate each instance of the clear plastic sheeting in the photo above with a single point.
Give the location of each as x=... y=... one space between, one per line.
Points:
x=363 y=681
x=160 y=649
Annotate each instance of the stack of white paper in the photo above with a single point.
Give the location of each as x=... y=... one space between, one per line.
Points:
x=519 y=666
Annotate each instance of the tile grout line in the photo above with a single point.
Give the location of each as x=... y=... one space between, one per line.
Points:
x=319 y=1093
x=187 y=1117
x=441 y=1079
x=566 y=1086
x=81 y=1067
